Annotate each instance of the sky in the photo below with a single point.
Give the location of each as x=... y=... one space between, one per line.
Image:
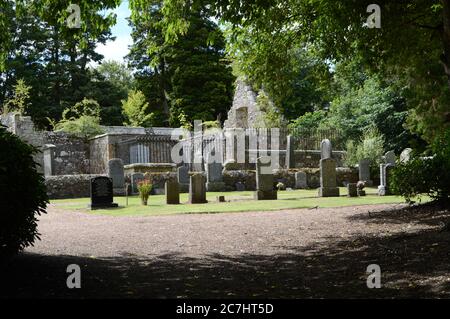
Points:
x=116 y=50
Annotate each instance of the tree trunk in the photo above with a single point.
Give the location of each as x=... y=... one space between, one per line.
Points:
x=446 y=38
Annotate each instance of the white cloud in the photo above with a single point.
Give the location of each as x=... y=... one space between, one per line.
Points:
x=115 y=50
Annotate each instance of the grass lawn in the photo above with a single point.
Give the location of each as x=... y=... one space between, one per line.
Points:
x=236 y=202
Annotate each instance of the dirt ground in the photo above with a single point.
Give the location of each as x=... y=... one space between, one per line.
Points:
x=302 y=253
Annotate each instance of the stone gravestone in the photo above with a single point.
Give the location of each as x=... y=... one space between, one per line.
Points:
x=136 y=178
x=301 y=180
x=389 y=157
x=325 y=149
x=183 y=178
x=290 y=152
x=214 y=177
x=102 y=193
x=352 y=191
x=197 y=189
x=240 y=187
x=172 y=191
x=405 y=155
x=328 y=185
x=364 y=171
x=116 y=172
x=264 y=179
x=385 y=172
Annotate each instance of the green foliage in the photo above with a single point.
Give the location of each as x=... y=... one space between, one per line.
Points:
x=370 y=146
x=271 y=117
x=82 y=119
x=22 y=194
x=425 y=175
x=308 y=121
x=136 y=110
x=144 y=188
x=19 y=102
x=190 y=74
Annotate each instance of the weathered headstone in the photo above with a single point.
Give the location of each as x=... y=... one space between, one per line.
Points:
x=405 y=155
x=172 y=191
x=116 y=172
x=389 y=157
x=301 y=181
x=183 y=178
x=325 y=149
x=214 y=177
x=328 y=185
x=221 y=199
x=264 y=179
x=364 y=171
x=240 y=187
x=136 y=178
x=290 y=152
x=352 y=190
x=101 y=193
x=197 y=189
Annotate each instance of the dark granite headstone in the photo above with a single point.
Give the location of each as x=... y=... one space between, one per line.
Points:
x=102 y=193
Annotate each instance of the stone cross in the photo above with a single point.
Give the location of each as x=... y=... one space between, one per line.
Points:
x=328 y=185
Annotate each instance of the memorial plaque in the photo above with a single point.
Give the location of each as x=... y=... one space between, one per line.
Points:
x=102 y=193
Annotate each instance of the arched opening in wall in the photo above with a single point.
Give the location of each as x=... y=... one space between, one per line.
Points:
x=139 y=153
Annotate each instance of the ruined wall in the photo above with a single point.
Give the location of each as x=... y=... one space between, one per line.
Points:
x=68 y=186
x=70 y=155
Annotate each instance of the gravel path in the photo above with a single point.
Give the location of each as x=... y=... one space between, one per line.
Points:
x=295 y=253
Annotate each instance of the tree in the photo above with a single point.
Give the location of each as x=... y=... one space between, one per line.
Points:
x=190 y=75
x=21 y=201
x=136 y=110
x=19 y=102
x=413 y=44
x=82 y=119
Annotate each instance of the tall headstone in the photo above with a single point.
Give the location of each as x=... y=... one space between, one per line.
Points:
x=136 y=178
x=183 y=178
x=48 y=150
x=172 y=191
x=364 y=171
x=197 y=189
x=290 y=152
x=264 y=179
x=214 y=177
x=301 y=180
x=101 y=193
x=116 y=172
x=325 y=149
x=328 y=185
x=405 y=155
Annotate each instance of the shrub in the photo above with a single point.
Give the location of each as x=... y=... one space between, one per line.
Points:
x=22 y=194
x=82 y=119
x=425 y=175
x=370 y=146
x=144 y=188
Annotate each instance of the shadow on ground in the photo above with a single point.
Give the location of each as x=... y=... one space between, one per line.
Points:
x=413 y=265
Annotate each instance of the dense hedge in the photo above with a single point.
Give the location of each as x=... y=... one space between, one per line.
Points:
x=425 y=175
x=22 y=194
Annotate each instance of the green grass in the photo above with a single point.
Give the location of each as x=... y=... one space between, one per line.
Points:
x=236 y=202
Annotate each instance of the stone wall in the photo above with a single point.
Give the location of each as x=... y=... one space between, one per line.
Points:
x=68 y=186
x=244 y=112
x=287 y=177
x=70 y=155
